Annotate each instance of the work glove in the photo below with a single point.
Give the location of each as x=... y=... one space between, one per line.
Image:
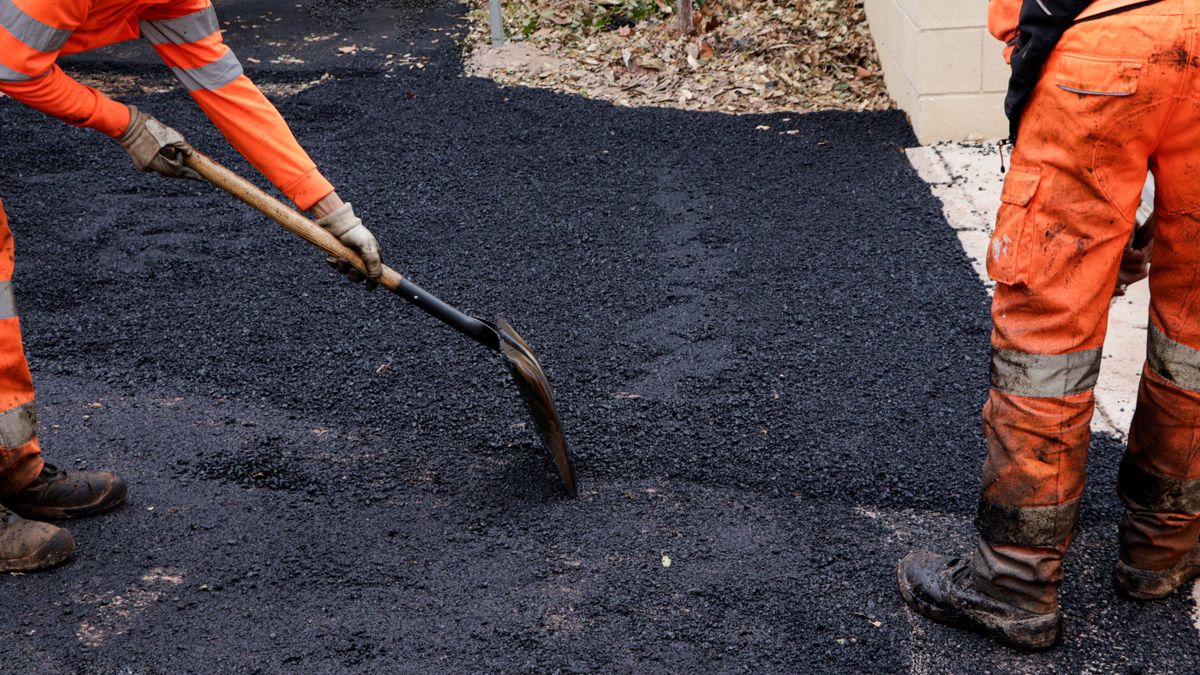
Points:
x=1135 y=261
x=154 y=146
x=349 y=230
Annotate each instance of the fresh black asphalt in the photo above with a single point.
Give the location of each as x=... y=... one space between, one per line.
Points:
x=769 y=351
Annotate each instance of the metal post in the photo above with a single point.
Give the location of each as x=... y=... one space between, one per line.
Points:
x=497 y=23
x=685 y=17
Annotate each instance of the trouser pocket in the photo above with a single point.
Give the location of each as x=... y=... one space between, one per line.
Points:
x=1007 y=261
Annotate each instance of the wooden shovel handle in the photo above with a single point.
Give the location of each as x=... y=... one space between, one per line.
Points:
x=281 y=213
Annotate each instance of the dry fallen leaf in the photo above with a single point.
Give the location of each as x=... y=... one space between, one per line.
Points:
x=755 y=56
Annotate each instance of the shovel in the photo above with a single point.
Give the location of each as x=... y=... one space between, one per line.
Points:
x=498 y=336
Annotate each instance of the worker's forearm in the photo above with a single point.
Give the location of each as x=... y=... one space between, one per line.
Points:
x=58 y=95
x=252 y=125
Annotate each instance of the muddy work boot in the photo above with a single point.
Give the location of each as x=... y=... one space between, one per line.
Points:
x=1139 y=584
x=941 y=588
x=28 y=546
x=57 y=494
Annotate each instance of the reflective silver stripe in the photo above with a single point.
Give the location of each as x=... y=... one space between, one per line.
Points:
x=1176 y=362
x=8 y=303
x=18 y=426
x=1039 y=526
x=213 y=76
x=182 y=30
x=9 y=75
x=37 y=35
x=1044 y=375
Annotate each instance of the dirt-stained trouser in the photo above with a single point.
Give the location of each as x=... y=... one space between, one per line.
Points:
x=20 y=455
x=1119 y=95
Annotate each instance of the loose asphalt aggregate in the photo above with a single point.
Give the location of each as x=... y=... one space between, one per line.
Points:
x=769 y=350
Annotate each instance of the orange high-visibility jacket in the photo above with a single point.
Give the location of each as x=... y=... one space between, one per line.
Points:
x=187 y=37
x=1004 y=15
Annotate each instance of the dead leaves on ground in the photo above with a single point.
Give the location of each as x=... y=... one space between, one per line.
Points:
x=744 y=56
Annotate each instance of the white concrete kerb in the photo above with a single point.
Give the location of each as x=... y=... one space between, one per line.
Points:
x=967 y=179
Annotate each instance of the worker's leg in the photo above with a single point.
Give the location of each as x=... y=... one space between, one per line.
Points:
x=25 y=546
x=28 y=485
x=20 y=456
x=1069 y=204
x=1160 y=474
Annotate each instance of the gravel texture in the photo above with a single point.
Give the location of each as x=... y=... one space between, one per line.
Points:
x=769 y=350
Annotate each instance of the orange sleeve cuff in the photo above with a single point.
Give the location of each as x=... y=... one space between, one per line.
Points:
x=110 y=118
x=308 y=189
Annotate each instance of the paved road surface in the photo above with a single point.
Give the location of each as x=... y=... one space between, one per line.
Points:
x=770 y=352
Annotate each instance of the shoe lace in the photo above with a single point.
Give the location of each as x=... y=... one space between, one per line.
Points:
x=961 y=569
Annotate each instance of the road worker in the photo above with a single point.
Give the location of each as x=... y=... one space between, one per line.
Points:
x=186 y=35
x=1101 y=93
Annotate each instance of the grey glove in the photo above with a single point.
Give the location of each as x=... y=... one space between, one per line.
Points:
x=349 y=230
x=154 y=146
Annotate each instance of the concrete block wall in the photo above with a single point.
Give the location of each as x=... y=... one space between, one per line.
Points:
x=942 y=67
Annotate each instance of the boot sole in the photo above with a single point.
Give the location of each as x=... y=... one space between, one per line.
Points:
x=1143 y=585
x=52 y=554
x=1030 y=634
x=112 y=500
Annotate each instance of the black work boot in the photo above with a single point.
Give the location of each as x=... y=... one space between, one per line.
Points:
x=1139 y=584
x=28 y=546
x=941 y=588
x=57 y=494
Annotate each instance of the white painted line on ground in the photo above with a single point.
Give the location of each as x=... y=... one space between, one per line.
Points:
x=967 y=179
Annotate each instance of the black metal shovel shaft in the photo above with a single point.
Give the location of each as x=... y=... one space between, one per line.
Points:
x=476 y=329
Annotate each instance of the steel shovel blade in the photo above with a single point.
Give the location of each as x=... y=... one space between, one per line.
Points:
x=535 y=389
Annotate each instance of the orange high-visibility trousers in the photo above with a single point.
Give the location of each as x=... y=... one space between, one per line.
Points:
x=1119 y=95
x=20 y=456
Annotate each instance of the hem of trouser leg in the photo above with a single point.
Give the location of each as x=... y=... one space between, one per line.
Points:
x=26 y=471
x=1150 y=550
x=1010 y=596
